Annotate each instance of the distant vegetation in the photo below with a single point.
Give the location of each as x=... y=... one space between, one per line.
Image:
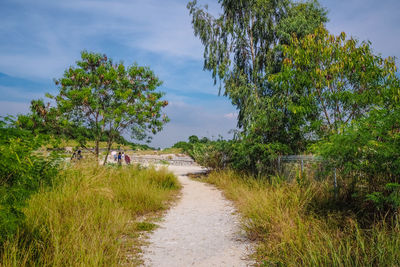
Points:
x=99 y=100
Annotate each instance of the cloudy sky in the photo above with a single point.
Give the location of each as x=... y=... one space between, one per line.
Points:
x=40 y=39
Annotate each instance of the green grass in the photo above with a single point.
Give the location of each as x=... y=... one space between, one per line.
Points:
x=282 y=218
x=88 y=219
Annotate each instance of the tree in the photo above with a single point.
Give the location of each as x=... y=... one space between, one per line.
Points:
x=328 y=81
x=242 y=46
x=109 y=99
x=47 y=121
x=193 y=139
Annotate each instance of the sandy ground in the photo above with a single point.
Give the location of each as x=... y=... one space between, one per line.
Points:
x=202 y=229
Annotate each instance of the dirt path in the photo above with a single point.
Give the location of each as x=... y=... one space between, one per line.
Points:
x=201 y=230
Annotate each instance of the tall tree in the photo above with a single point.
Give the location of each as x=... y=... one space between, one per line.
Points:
x=109 y=98
x=242 y=47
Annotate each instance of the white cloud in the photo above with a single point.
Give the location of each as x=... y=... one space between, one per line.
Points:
x=50 y=34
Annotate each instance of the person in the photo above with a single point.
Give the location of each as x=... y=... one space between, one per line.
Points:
x=123 y=155
x=114 y=154
x=127 y=159
x=119 y=158
x=79 y=156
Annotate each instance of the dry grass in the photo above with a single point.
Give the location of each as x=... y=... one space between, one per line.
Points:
x=279 y=215
x=88 y=219
x=89 y=144
x=159 y=152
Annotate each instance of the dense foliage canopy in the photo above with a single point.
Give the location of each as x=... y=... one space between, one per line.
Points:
x=243 y=46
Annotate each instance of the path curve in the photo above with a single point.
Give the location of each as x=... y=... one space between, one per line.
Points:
x=202 y=229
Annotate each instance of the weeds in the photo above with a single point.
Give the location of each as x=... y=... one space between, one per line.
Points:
x=282 y=218
x=82 y=220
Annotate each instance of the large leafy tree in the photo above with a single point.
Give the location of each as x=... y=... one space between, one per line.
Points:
x=328 y=81
x=110 y=98
x=242 y=47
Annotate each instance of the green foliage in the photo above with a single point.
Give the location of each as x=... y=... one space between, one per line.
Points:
x=187 y=147
x=22 y=172
x=367 y=154
x=91 y=217
x=99 y=100
x=242 y=48
x=388 y=200
x=286 y=220
x=240 y=155
x=327 y=81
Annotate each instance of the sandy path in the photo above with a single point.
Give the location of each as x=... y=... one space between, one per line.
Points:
x=201 y=230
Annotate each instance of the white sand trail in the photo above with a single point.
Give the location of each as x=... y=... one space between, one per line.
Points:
x=202 y=229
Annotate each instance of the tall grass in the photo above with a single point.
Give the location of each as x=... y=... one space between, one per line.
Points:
x=84 y=219
x=283 y=218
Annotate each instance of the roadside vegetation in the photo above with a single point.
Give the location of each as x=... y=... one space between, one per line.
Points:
x=56 y=212
x=297 y=223
x=88 y=217
x=300 y=90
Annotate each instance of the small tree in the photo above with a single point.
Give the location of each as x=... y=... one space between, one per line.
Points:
x=109 y=99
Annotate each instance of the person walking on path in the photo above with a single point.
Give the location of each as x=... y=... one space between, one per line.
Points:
x=127 y=159
x=119 y=158
x=114 y=155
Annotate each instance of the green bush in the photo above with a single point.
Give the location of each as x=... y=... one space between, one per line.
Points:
x=241 y=155
x=22 y=171
x=367 y=156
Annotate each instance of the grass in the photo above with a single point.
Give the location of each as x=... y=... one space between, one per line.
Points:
x=89 y=217
x=282 y=218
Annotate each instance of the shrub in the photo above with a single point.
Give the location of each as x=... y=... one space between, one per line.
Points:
x=241 y=155
x=367 y=154
x=23 y=171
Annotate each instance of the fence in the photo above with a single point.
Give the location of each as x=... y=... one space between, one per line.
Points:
x=298 y=165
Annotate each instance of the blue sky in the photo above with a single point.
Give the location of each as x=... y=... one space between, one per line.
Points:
x=40 y=39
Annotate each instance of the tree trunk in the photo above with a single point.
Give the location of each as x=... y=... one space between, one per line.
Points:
x=109 y=143
x=97 y=151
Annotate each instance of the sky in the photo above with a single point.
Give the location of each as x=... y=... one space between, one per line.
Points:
x=40 y=39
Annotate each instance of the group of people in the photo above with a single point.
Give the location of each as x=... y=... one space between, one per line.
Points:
x=120 y=157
